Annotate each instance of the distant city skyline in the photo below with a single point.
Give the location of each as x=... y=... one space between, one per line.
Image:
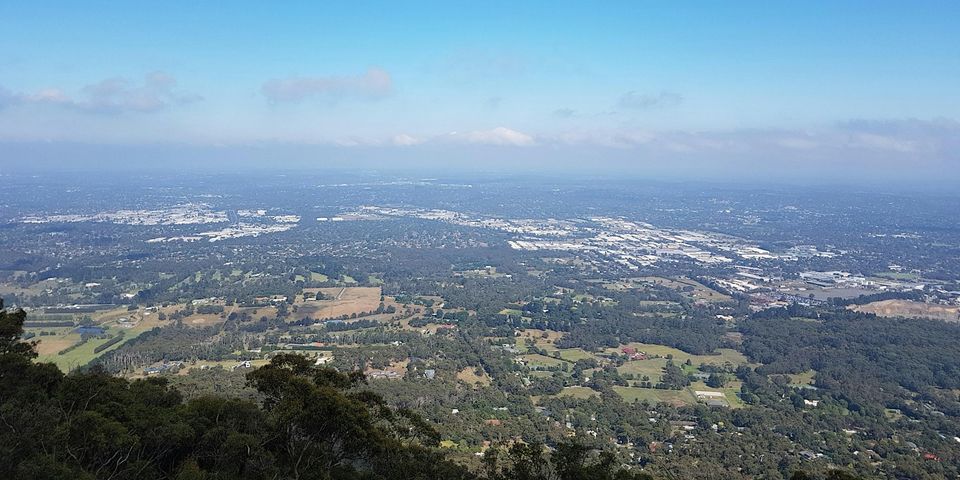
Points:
x=812 y=88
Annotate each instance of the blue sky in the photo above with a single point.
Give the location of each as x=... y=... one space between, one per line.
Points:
x=635 y=81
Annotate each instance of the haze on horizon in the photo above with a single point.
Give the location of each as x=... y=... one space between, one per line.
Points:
x=813 y=91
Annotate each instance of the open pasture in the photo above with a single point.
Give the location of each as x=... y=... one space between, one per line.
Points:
x=679 y=356
x=469 y=376
x=340 y=301
x=677 y=398
x=50 y=346
x=541 y=361
x=652 y=368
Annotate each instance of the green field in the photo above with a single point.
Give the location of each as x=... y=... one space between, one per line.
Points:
x=652 y=368
x=730 y=390
x=652 y=395
x=566 y=354
x=83 y=354
x=573 y=354
x=805 y=378
x=542 y=361
x=679 y=356
x=77 y=357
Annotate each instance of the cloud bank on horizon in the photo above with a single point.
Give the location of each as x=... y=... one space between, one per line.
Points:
x=623 y=85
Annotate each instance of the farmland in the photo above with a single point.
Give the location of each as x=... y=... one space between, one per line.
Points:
x=113 y=322
x=724 y=355
x=653 y=396
x=910 y=309
x=339 y=302
x=471 y=377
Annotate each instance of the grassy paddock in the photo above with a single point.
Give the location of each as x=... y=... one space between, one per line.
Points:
x=652 y=395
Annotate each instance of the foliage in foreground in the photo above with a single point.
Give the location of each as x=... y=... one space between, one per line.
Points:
x=313 y=424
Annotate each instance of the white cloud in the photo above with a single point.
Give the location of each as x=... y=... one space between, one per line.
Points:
x=374 y=83
x=905 y=139
x=48 y=95
x=404 y=140
x=854 y=142
x=110 y=96
x=498 y=136
x=118 y=95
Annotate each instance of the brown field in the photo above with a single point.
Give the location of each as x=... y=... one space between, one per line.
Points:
x=344 y=301
x=398 y=367
x=469 y=376
x=226 y=364
x=203 y=320
x=907 y=308
x=258 y=312
x=50 y=345
x=35 y=289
